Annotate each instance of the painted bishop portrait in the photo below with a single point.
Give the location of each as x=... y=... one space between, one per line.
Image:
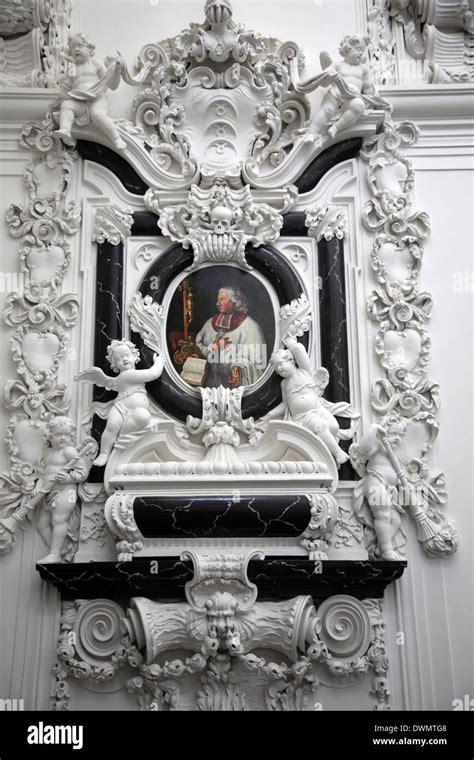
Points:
x=232 y=343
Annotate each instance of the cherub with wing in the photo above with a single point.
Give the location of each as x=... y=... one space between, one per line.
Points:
x=129 y=412
x=61 y=470
x=350 y=90
x=83 y=96
x=302 y=398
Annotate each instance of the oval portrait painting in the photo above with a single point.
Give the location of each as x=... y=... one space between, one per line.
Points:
x=220 y=328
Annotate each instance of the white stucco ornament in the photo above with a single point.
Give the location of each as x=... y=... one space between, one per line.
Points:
x=219 y=221
x=61 y=471
x=351 y=90
x=129 y=412
x=302 y=399
x=389 y=486
x=83 y=96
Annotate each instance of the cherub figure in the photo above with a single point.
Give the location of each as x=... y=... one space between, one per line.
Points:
x=377 y=501
x=83 y=98
x=129 y=412
x=302 y=398
x=343 y=105
x=61 y=469
x=351 y=89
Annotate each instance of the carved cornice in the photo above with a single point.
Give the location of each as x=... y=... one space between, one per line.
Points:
x=446 y=106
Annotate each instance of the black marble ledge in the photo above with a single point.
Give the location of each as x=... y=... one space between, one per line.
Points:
x=276 y=578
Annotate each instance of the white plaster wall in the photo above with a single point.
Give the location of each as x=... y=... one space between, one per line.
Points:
x=448 y=588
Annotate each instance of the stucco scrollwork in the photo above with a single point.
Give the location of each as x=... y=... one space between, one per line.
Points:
x=42 y=316
x=112 y=224
x=218 y=222
x=121 y=521
x=392 y=456
x=326 y=221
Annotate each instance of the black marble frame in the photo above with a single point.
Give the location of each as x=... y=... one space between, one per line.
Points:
x=109 y=299
x=166 y=391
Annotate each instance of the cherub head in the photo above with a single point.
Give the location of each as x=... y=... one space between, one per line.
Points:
x=61 y=432
x=80 y=48
x=352 y=47
x=283 y=362
x=395 y=426
x=122 y=355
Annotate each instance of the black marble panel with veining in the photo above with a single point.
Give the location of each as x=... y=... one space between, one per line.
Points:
x=332 y=307
x=162 y=272
x=283 y=577
x=336 y=154
x=276 y=578
x=274 y=267
x=115 y=163
x=282 y=516
x=145 y=224
x=333 y=321
x=108 y=326
x=294 y=224
x=333 y=318
x=161 y=579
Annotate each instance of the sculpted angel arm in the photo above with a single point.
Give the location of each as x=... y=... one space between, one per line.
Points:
x=326 y=77
x=148 y=375
x=75 y=472
x=300 y=355
x=276 y=413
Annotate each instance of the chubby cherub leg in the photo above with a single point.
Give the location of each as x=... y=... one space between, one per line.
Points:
x=328 y=109
x=66 y=120
x=331 y=442
x=109 y=436
x=60 y=515
x=351 y=113
x=44 y=525
x=327 y=431
x=380 y=503
x=138 y=419
x=99 y=115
